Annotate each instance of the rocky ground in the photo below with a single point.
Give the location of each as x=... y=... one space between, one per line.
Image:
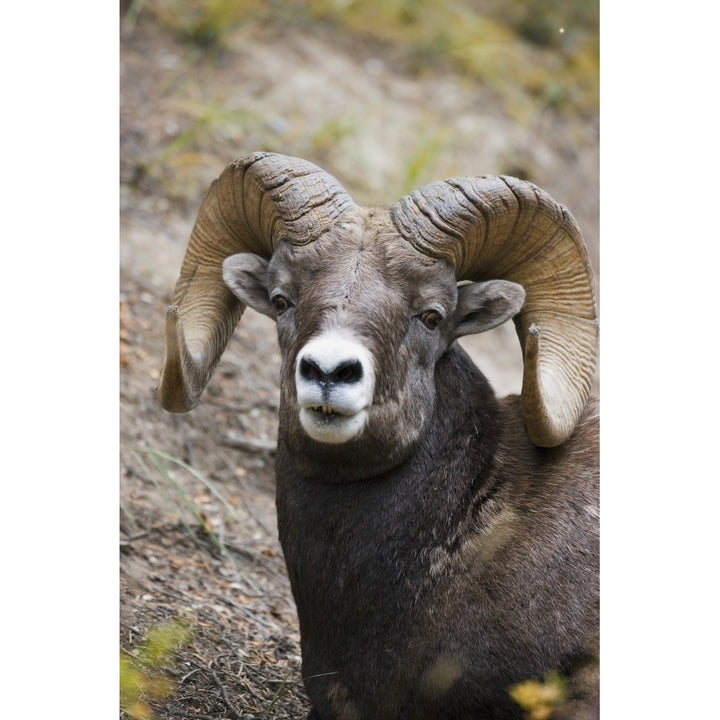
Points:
x=197 y=525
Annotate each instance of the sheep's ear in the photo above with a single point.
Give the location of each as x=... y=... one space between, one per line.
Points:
x=482 y=306
x=246 y=275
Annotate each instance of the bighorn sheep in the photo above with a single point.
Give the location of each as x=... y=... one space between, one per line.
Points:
x=441 y=544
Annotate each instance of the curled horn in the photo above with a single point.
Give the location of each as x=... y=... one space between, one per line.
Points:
x=501 y=227
x=257 y=201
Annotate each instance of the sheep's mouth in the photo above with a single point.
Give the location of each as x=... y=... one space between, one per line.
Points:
x=331 y=424
x=328 y=410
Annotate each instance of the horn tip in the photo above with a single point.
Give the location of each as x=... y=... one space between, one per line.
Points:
x=173 y=391
x=548 y=416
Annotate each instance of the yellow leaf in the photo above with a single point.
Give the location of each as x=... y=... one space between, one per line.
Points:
x=537 y=698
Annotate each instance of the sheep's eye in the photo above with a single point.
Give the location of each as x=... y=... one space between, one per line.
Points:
x=431 y=318
x=280 y=303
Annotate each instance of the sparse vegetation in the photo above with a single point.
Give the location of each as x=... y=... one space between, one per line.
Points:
x=207 y=24
x=486 y=41
x=142 y=677
x=532 y=57
x=160 y=473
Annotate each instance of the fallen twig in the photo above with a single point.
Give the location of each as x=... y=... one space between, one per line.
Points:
x=231 y=707
x=250 y=444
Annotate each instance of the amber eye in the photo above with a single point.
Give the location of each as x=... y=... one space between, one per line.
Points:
x=431 y=318
x=281 y=303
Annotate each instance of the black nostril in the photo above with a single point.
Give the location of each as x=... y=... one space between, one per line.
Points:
x=350 y=372
x=310 y=371
x=345 y=372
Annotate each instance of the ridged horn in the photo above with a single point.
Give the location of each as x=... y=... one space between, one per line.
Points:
x=258 y=200
x=502 y=227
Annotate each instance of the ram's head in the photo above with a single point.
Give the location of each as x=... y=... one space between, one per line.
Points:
x=368 y=300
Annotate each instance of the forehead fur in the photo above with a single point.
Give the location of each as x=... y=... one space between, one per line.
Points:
x=361 y=249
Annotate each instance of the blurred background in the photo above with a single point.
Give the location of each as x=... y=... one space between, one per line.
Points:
x=387 y=95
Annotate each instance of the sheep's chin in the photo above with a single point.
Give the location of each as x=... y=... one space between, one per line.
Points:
x=332 y=427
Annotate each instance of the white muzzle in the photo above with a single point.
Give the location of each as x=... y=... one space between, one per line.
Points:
x=335 y=382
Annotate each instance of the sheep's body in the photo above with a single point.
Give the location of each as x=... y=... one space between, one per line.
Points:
x=428 y=591
x=436 y=555
x=441 y=545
